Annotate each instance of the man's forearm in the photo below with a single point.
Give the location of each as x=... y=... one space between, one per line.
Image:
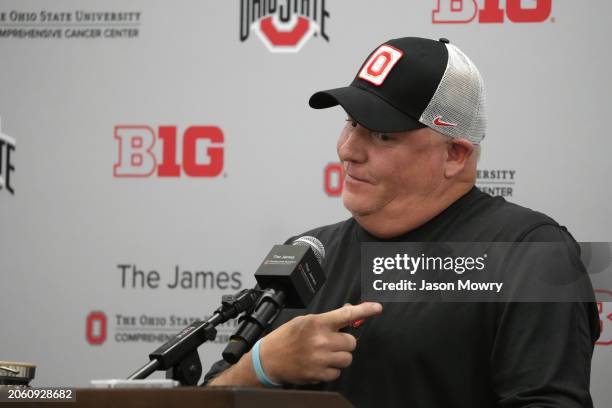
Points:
x=241 y=373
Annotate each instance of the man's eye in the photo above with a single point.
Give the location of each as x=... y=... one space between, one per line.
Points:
x=353 y=123
x=381 y=136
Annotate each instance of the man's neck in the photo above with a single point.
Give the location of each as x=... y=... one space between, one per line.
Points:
x=392 y=222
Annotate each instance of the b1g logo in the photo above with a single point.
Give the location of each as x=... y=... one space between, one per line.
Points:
x=139 y=151
x=604 y=307
x=333 y=179
x=95 y=328
x=7 y=167
x=283 y=25
x=491 y=11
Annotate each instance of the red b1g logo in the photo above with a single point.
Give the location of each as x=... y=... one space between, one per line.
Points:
x=465 y=11
x=604 y=307
x=202 y=151
x=95 y=331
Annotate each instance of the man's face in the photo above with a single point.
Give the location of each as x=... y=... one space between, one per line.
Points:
x=388 y=173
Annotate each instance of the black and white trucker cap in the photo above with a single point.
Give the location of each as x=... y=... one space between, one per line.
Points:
x=409 y=83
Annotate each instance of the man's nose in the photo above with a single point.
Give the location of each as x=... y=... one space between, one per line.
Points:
x=352 y=146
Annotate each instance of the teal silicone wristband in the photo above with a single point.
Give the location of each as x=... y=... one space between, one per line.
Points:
x=261 y=376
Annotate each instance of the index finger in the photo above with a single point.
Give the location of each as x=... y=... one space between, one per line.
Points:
x=347 y=314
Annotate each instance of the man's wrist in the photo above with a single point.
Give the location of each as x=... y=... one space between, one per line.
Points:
x=260 y=372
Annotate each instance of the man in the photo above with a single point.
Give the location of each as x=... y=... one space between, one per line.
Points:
x=409 y=149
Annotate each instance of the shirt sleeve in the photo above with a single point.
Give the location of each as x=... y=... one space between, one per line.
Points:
x=216 y=369
x=541 y=355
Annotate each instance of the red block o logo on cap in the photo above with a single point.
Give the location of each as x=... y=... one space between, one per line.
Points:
x=378 y=66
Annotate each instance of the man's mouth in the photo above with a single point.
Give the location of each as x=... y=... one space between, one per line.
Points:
x=354 y=178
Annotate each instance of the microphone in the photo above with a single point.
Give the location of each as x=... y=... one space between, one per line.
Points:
x=290 y=276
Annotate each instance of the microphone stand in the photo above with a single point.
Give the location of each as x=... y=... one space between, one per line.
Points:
x=254 y=324
x=179 y=356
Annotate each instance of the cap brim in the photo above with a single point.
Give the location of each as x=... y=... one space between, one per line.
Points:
x=368 y=109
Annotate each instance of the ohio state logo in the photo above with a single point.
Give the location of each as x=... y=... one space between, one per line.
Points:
x=491 y=11
x=139 y=151
x=7 y=165
x=333 y=179
x=95 y=328
x=283 y=25
x=378 y=66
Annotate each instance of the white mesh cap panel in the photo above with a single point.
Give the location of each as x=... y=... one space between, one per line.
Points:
x=459 y=100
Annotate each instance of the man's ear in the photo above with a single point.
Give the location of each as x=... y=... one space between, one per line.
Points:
x=458 y=154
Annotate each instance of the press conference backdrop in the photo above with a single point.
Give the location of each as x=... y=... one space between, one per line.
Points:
x=153 y=151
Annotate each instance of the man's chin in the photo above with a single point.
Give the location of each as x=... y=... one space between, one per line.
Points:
x=356 y=206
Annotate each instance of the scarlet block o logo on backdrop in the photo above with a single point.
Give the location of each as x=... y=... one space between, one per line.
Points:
x=333 y=179
x=138 y=156
x=283 y=26
x=95 y=328
x=491 y=11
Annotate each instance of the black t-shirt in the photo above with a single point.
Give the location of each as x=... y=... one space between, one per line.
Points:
x=433 y=354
